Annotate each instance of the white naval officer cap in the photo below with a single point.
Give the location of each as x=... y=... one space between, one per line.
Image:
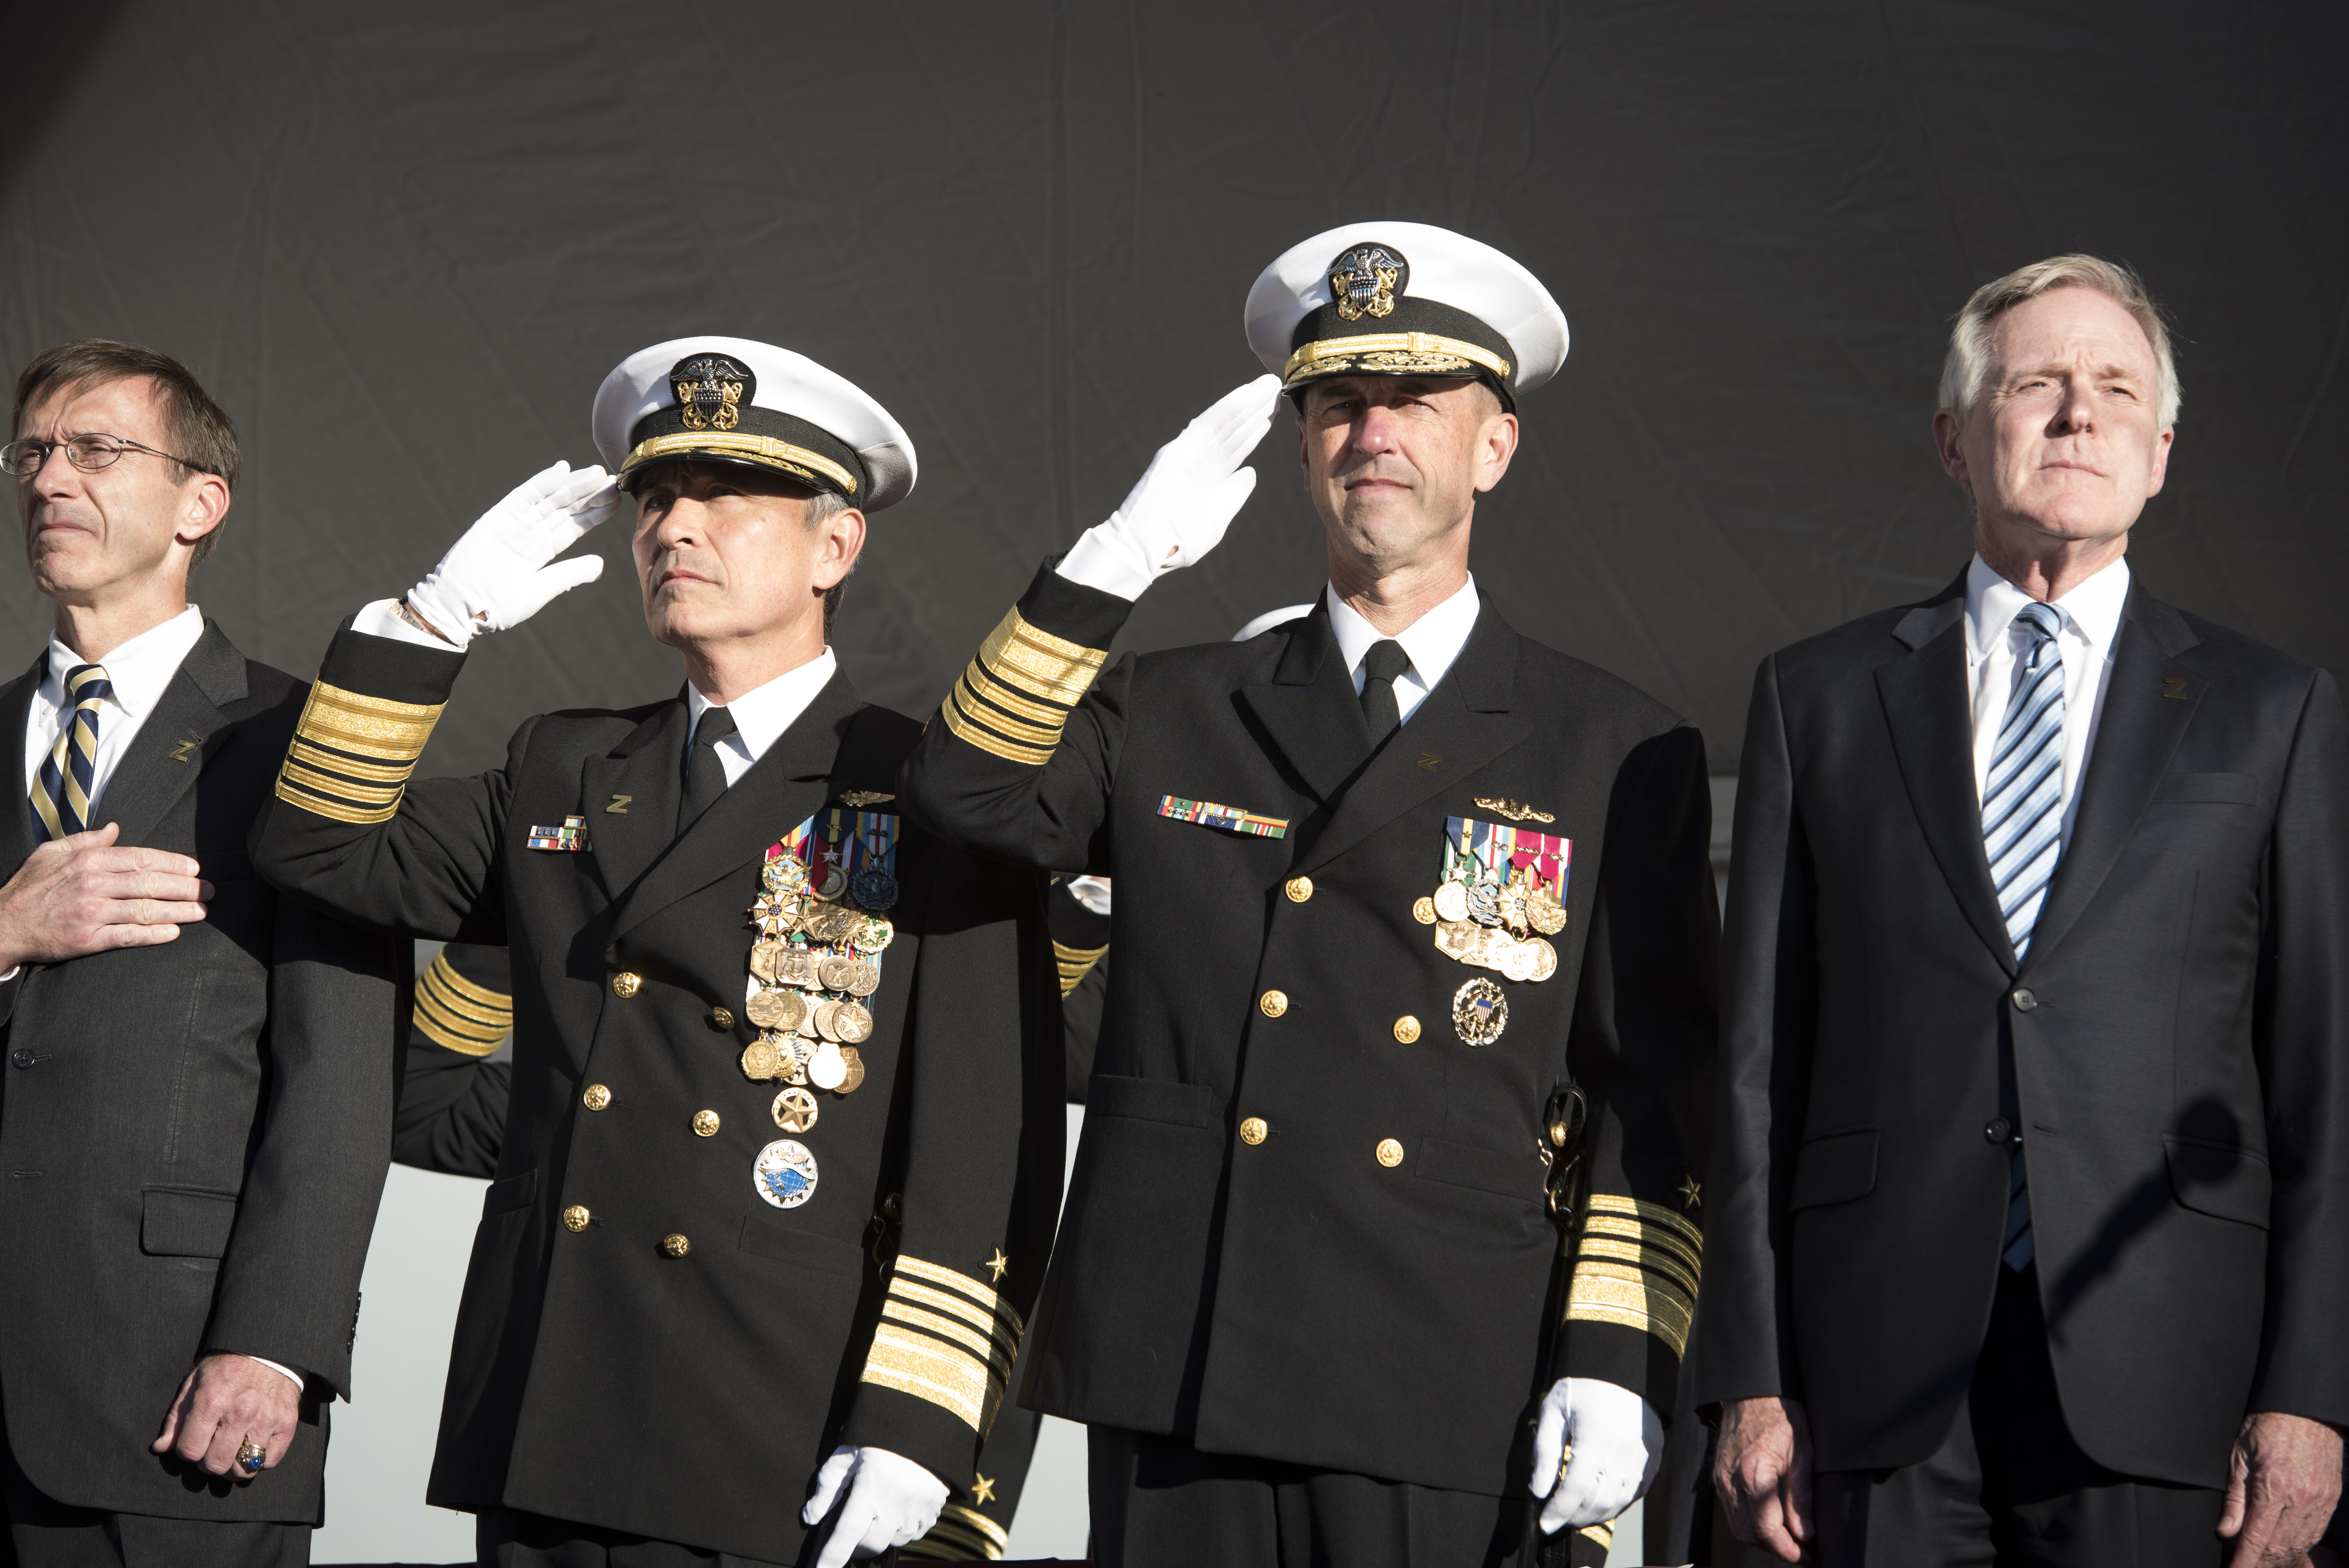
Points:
x=731 y=400
x=1404 y=299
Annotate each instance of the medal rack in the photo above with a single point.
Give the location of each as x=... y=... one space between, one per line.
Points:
x=1503 y=896
x=822 y=916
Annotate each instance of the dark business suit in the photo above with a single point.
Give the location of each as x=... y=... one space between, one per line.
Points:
x=2170 y=1052
x=194 y=1136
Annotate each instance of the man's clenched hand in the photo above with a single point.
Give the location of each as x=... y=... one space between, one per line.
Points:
x=81 y=894
x=497 y=575
x=1761 y=1468
x=225 y=1403
x=1616 y=1443
x=2284 y=1478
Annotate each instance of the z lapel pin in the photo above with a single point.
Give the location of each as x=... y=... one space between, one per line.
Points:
x=2173 y=686
x=185 y=752
x=1430 y=760
x=619 y=806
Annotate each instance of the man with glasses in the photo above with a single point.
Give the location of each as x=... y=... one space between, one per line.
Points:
x=196 y=1105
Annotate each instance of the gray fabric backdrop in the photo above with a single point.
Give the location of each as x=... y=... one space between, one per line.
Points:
x=403 y=243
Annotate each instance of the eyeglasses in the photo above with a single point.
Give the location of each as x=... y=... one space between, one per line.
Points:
x=88 y=452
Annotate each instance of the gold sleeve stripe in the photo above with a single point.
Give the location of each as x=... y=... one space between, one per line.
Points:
x=962 y=1534
x=1075 y=964
x=1648 y=1238
x=447 y=973
x=1010 y=701
x=1603 y=1534
x=1039 y=663
x=989 y=1326
x=1640 y=1257
x=998 y=1363
x=1632 y=1297
x=933 y=1274
x=986 y=739
x=448 y=1013
x=1654 y=1214
x=1017 y=730
x=914 y=1363
x=326 y=770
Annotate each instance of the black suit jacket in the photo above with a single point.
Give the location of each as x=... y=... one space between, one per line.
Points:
x=596 y=1377
x=194 y=1134
x=1299 y=1298
x=2172 y=1051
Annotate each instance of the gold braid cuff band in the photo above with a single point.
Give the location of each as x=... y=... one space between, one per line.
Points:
x=961 y=1535
x=1075 y=962
x=764 y=450
x=995 y=705
x=327 y=771
x=1391 y=354
x=947 y=1338
x=453 y=1011
x=1638 y=1266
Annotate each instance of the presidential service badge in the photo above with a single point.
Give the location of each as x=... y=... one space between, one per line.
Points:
x=710 y=389
x=785 y=1174
x=1366 y=281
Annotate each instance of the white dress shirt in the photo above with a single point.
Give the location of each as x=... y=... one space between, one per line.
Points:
x=1434 y=642
x=761 y=713
x=1996 y=647
x=138 y=671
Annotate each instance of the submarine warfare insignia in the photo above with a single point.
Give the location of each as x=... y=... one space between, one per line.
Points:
x=815 y=957
x=1502 y=897
x=785 y=1174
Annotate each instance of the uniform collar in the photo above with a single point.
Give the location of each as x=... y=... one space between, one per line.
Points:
x=763 y=713
x=1434 y=641
x=2092 y=611
x=139 y=670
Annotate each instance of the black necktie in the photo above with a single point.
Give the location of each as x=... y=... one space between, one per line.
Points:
x=705 y=780
x=1380 y=666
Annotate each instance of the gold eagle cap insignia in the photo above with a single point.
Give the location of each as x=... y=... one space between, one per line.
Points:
x=1366 y=281
x=710 y=389
x=1513 y=811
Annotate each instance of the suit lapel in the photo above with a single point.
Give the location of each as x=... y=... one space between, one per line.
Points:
x=1309 y=709
x=20 y=831
x=647 y=767
x=160 y=765
x=1464 y=723
x=2135 y=736
x=781 y=790
x=1924 y=697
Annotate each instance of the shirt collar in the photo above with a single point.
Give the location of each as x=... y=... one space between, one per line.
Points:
x=1434 y=641
x=763 y=713
x=139 y=670
x=2091 y=611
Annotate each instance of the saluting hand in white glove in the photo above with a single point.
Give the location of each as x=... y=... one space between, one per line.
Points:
x=891 y=1500
x=1617 y=1442
x=1185 y=500
x=497 y=575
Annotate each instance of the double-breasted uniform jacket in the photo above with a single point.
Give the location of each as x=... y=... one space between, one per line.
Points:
x=644 y=1342
x=1306 y=1219
x=194 y=1133
x=2171 y=1051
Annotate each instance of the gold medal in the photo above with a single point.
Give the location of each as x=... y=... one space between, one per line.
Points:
x=783 y=874
x=777 y=1009
x=855 y=1080
x=1461 y=939
x=865 y=978
x=834 y=883
x=836 y=972
x=1544 y=959
x=872 y=934
x=828 y=1069
x=761 y=1059
x=763 y=956
x=1545 y=914
x=795 y=1110
x=826 y=1013
x=852 y=1025
x=1424 y=912
x=1516 y=959
x=1451 y=902
x=832 y=922
x=797 y=967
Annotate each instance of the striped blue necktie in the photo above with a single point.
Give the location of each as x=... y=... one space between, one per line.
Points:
x=2023 y=822
x=62 y=791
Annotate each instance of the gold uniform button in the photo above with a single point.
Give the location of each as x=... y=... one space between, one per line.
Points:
x=596 y=1097
x=575 y=1217
x=705 y=1123
x=626 y=984
x=723 y=1017
x=1274 y=1003
x=1253 y=1130
x=1300 y=889
x=675 y=1245
x=1390 y=1153
x=1406 y=1028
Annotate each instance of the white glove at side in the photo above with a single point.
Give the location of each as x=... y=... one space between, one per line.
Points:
x=891 y=1500
x=497 y=575
x=1617 y=1442
x=1178 y=509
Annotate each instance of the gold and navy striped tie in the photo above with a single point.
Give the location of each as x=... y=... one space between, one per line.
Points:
x=68 y=775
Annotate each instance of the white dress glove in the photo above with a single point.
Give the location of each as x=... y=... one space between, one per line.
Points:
x=1185 y=500
x=1617 y=1442
x=891 y=1500
x=497 y=574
